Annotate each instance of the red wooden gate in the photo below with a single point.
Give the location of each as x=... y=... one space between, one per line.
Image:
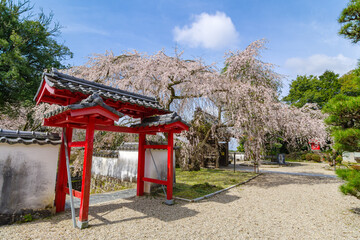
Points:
x=91 y=106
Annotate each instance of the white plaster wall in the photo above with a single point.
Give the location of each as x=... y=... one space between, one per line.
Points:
x=160 y=159
x=125 y=166
x=351 y=157
x=238 y=156
x=27 y=176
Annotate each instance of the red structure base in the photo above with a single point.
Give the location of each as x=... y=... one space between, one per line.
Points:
x=170 y=168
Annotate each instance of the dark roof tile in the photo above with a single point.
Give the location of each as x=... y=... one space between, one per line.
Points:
x=25 y=137
x=160 y=120
x=73 y=84
x=91 y=101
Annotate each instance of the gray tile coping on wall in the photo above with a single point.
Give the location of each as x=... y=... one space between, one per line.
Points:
x=27 y=137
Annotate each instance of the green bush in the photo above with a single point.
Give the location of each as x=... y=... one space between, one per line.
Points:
x=326 y=157
x=316 y=157
x=338 y=159
x=308 y=156
x=303 y=157
x=352 y=185
x=28 y=218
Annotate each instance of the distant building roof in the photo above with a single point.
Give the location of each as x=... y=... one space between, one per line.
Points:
x=223 y=133
x=25 y=137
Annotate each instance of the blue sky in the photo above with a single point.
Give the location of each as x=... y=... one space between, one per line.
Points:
x=302 y=35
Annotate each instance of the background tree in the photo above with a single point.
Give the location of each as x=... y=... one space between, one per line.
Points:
x=247 y=90
x=344 y=110
x=175 y=82
x=344 y=122
x=350 y=83
x=244 y=94
x=27 y=47
x=313 y=89
x=350 y=20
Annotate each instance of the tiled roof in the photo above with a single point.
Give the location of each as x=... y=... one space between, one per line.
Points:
x=106 y=153
x=134 y=146
x=91 y=101
x=160 y=120
x=129 y=146
x=13 y=137
x=207 y=116
x=63 y=81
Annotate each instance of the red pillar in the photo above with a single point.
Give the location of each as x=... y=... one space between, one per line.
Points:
x=61 y=179
x=86 y=177
x=170 y=169
x=141 y=165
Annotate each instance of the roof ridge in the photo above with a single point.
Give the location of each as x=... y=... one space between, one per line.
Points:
x=56 y=74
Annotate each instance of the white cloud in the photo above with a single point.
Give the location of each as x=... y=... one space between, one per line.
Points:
x=208 y=31
x=79 y=28
x=317 y=64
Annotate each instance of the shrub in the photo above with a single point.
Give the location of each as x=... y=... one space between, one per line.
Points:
x=308 y=156
x=28 y=218
x=352 y=185
x=338 y=159
x=316 y=158
x=295 y=156
x=326 y=158
x=303 y=157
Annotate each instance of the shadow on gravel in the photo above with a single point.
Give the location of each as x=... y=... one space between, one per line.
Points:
x=223 y=198
x=151 y=207
x=356 y=210
x=267 y=180
x=294 y=164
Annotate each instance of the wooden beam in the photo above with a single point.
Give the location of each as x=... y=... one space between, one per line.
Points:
x=61 y=179
x=141 y=165
x=155 y=146
x=86 y=177
x=170 y=166
x=162 y=182
x=175 y=125
x=94 y=110
x=76 y=193
x=77 y=144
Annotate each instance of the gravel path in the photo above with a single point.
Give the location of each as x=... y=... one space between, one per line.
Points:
x=291 y=167
x=272 y=206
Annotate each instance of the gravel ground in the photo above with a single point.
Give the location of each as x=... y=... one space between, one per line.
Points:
x=272 y=206
x=302 y=167
x=291 y=167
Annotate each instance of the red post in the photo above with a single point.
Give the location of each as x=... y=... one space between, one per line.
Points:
x=141 y=165
x=86 y=177
x=170 y=168
x=61 y=179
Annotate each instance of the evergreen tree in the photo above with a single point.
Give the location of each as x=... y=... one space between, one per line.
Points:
x=313 y=89
x=344 y=122
x=27 y=47
x=350 y=18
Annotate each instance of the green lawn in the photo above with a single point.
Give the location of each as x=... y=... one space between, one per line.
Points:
x=196 y=184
